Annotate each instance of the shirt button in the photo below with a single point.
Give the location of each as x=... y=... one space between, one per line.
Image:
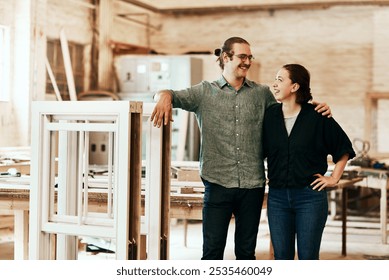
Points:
x=237 y=134
x=237 y=120
x=236 y=106
x=237 y=149
x=238 y=162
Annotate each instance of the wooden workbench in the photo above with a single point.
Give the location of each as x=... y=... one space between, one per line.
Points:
x=344 y=185
x=14 y=195
x=378 y=179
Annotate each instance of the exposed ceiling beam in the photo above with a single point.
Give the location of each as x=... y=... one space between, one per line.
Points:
x=134 y=18
x=143 y=5
x=318 y=4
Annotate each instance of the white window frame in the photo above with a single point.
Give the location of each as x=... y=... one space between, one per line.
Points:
x=4 y=63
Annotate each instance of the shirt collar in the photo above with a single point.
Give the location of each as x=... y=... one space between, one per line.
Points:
x=222 y=82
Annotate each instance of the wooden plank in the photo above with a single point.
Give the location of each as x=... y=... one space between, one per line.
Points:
x=12 y=203
x=7 y=221
x=52 y=79
x=186 y=190
x=143 y=251
x=135 y=166
x=165 y=192
x=187 y=174
x=68 y=65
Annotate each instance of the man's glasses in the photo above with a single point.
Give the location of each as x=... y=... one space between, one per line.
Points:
x=244 y=57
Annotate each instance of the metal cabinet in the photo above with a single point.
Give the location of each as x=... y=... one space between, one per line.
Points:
x=141 y=76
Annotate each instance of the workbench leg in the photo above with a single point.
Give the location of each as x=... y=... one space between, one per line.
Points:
x=185 y=232
x=21 y=234
x=333 y=205
x=344 y=220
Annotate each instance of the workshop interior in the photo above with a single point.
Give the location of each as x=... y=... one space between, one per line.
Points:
x=86 y=175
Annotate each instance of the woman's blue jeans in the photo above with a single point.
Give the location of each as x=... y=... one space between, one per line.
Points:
x=220 y=204
x=297 y=213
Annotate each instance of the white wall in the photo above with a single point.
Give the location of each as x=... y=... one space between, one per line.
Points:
x=31 y=21
x=14 y=114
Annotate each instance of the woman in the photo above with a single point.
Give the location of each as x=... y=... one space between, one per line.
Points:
x=297 y=142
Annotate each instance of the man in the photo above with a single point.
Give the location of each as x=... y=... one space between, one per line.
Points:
x=229 y=112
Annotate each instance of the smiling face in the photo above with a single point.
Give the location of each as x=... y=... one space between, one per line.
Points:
x=235 y=67
x=283 y=87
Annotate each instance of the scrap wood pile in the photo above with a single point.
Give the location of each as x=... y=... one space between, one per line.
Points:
x=186 y=180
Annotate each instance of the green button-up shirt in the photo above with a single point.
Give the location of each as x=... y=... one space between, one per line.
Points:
x=230 y=123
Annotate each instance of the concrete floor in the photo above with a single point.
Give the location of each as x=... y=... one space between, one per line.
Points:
x=362 y=243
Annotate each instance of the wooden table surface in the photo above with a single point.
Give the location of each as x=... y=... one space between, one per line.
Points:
x=14 y=195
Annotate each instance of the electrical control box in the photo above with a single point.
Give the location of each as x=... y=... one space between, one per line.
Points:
x=140 y=77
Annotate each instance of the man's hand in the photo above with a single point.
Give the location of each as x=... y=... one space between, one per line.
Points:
x=322 y=108
x=163 y=109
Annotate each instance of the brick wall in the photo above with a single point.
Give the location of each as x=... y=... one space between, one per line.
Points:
x=346 y=48
x=380 y=76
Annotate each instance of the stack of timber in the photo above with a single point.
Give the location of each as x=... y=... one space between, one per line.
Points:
x=187 y=191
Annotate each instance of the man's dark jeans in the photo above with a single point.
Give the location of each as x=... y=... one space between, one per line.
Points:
x=220 y=204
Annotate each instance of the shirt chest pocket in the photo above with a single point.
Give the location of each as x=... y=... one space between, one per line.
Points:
x=250 y=113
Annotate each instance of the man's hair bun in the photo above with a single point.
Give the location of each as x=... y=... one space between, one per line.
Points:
x=217 y=52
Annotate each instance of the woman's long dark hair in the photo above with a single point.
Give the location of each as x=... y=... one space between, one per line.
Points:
x=300 y=75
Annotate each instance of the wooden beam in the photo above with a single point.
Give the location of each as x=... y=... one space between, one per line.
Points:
x=371 y=107
x=266 y=5
x=120 y=48
x=378 y=95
